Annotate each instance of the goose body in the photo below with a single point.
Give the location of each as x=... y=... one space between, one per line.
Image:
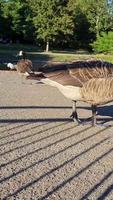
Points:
x=88 y=81
x=98 y=91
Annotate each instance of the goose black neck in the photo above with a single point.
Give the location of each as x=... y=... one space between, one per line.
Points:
x=24 y=55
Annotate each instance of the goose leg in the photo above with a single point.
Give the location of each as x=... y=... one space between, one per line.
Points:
x=94 y=108
x=94 y=121
x=74 y=114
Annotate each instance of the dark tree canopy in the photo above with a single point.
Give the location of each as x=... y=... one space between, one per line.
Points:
x=55 y=23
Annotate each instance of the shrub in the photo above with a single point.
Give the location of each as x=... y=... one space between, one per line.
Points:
x=104 y=43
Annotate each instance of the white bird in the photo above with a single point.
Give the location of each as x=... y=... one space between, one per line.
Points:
x=11 y=66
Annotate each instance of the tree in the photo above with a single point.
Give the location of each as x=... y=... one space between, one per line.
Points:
x=99 y=14
x=3 y=22
x=18 y=15
x=59 y=23
x=104 y=43
x=51 y=18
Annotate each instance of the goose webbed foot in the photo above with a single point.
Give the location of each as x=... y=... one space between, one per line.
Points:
x=74 y=116
x=93 y=119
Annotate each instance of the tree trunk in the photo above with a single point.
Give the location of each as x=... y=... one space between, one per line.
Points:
x=97 y=26
x=47 y=46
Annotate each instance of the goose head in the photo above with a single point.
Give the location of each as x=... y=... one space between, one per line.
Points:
x=21 y=54
x=24 y=66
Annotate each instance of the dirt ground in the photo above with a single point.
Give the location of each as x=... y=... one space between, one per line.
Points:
x=43 y=154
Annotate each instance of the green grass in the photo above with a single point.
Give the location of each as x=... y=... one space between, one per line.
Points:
x=8 y=53
x=106 y=57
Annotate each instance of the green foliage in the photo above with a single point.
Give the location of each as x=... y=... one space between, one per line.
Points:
x=17 y=16
x=60 y=23
x=82 y=38
x=104 y=43
x=51 y=18
x=99 y=15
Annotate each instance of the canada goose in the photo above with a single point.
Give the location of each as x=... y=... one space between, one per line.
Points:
x=24 y=65
x=88 y=81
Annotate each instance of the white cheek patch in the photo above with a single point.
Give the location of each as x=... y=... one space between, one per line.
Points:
x=20 y=53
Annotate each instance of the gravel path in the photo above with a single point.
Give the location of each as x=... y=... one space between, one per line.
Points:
x=43 y=154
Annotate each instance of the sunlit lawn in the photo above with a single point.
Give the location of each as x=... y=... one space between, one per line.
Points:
x=8 y=53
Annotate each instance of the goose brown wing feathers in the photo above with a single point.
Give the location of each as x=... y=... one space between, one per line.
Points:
x=24 y=65
x=98 y=91
x=63 y=77
x=77 y=73
x=86 y=70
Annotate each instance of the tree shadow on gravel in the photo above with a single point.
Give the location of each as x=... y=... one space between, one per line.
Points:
x=40 y=140
x=30 y=135
x=48 y=157
x=106 y=110
x=84 y=121
x=34 y=120
x=59 y=186
x=96 y=186
x=106 y=192
x=70 y=160
x=64 y=182
x=35 y=107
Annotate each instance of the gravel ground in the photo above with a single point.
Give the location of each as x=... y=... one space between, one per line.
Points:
x=43 y=154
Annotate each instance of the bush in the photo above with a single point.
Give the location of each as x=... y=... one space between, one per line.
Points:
x=104 y=43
